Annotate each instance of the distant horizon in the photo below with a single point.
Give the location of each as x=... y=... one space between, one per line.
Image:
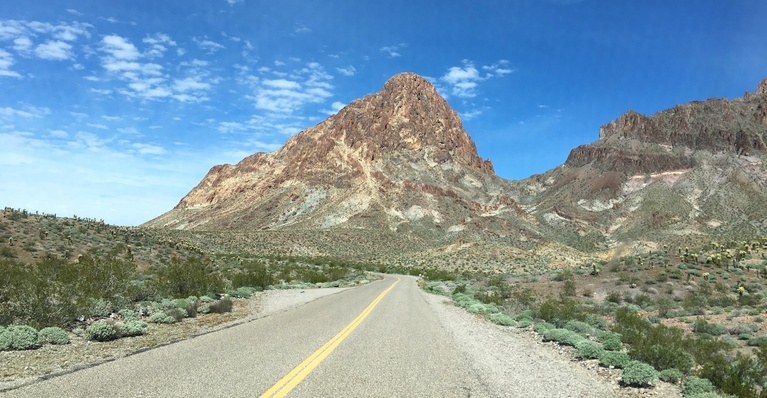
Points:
x=117 y=110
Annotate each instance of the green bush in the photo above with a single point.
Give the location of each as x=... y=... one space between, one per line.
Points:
x=524 y=323
x=53 y=335
x=587 y=349
x=192 y=276
x=253 y=275
x=638 y=374
x=541 y=327
x=132 y=327
x=502 y=319
x=203 y=309
x=660 y=346
x=670 y=375
x=696 y=385
x=101 y=308
x=19 y=337
x=702 y=326
x=580 y=327
x=616 y=359
x=612 y=342
x=101 y=331
x=246 y=292
x=562 y=336
x=161 y=317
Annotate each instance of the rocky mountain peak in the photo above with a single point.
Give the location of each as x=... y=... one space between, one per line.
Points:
x=762 y=88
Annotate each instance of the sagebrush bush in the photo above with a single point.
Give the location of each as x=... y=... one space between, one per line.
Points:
x=587 y=349
x=131 y=327
x=101 y=308
x=161 y=317
x=127 y=313
x=203 y=309
x=562 y=336
x=580 y=327
x=502 y=319
x=53 y=335
x=612 y=342
x=638 y=374
x=696 y=385
x=616 y=359
x=19 y=337
x=541 y=327
x=101 y=331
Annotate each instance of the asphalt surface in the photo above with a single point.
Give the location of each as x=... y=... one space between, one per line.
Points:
x=399 y=350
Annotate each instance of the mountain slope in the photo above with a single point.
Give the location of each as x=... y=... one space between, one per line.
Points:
x=693 y=170
x=396 y=160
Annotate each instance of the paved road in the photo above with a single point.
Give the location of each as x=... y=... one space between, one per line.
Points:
x=400 y=349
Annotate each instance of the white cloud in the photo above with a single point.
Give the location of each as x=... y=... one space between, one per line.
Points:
x=54 y=50
x=6 y=61
x=22 y=44
x=309 y=84
x=119 y=48
x=282 y=84
x=334 y=108
x=465 y=80
x=348 y=71
x=148 y=149
x=234 y=2
x=27 y=112
x=393 y=51
x=159 y=44
x=190 y=84
x=209 y=46
x=97 y=126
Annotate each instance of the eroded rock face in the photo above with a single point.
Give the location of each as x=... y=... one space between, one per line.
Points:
x=368 y=158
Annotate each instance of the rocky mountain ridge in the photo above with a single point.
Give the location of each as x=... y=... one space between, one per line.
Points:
x=395 y=157
x=399 y=164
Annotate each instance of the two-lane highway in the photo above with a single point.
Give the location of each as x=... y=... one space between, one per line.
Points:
x=379 y=340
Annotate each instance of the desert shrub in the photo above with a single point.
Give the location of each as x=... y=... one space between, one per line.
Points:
x=524 y=323
x=127 y=313
x=203 y=309
x=562 y=336
x=559 y=312
x=101 y=331
x=541 y=327
x=482 y=308
x=19 y=337
x=738 y=376
x=502 y=319
x=131 y=328
x=53 y=335
x=587 y=349
x=161 y=317
x=222 y=306
x=672 y=375
x=247 y=291
x=580 y=327
x=101 y=308
x=703 y=326
x=660 y=346
x=254 y=275
x=696 y=385
x=616 y=359
x=177 y=313
x=614 y=297
x=611 y=341
x=192 y=276
x=638 y=374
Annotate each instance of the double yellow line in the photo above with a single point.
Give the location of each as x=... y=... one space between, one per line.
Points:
x=291 y=380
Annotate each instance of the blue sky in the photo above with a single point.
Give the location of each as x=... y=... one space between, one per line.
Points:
x=115 y=110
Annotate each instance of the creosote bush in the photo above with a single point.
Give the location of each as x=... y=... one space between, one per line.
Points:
x=696 y=385
x=670 y=375
x=222 y=306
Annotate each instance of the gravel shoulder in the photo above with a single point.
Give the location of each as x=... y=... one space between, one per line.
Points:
x=18 y=368
x=514 y=362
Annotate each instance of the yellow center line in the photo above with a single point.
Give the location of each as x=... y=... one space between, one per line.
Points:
x=291 y=380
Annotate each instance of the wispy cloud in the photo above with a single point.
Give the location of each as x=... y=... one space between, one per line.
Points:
x=347 y=71
x=393 y=51
x=209 y=46
x=310 y=84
